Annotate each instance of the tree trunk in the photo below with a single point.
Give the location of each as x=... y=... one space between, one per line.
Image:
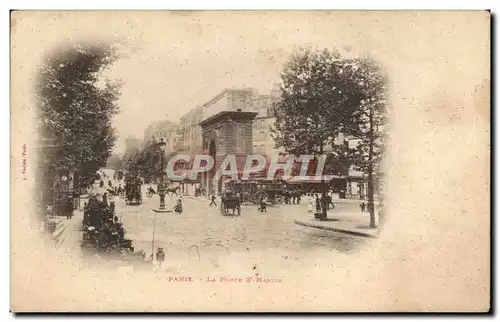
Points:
x=371 y=207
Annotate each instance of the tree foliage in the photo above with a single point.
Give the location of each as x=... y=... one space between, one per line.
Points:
x=315 y=102
x=324 y=94
x=370 y=118
x=339 y=161
x=145 y=160
x=76 y=107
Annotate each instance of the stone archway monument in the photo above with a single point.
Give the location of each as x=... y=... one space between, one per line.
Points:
x=226 y=133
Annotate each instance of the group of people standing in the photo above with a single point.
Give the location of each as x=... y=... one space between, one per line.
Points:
x=293 y=197
x=320 y=202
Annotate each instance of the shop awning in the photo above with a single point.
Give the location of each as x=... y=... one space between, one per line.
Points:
x=313 y=179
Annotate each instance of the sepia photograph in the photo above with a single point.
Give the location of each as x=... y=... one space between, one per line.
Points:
x=250 y=161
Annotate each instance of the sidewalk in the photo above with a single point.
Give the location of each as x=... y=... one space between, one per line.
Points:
x=73 y=233
x=352 y=201
x=347 y=222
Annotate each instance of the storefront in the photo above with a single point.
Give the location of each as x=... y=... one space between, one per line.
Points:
x=356 y=187
x=53 y=190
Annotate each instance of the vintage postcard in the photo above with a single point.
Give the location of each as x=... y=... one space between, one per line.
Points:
x=250 y=161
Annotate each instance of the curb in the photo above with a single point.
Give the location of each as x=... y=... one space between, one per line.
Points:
x=344 y=231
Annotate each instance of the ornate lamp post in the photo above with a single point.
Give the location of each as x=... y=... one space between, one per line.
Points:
x=161 y=185
x=162 y=192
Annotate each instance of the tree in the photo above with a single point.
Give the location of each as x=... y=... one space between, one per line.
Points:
x=339 y=161
x=315 y=102
x=324 y=94
x=301 y=123
x=76 y=108
x=370 y=84
x=145 y=160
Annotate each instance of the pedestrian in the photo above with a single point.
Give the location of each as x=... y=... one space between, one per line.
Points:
x=213 y=201
x=160 y=257
x=105 y=199
x=324 y=206
x=178 y=206
x=263 y=205
x=318 y=204
x=69 y=208
x=330 y=200
x=310 y=201
x=362 y=206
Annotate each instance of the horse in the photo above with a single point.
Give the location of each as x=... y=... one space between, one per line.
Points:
x=150 y=192
x=172 y=190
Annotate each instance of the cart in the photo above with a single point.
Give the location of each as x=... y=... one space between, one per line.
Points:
x=230 y=203
x=133 y=190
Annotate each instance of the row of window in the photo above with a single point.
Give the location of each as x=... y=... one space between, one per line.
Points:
x=259 y=148
x=260 y=136
x=260 y=124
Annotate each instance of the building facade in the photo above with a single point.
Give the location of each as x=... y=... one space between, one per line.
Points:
x=263 y=141
x=230 y=100
x=164 y=129
x=53 y=190
x=189 y=134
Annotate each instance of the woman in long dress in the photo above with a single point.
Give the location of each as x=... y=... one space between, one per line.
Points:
x=310 y=201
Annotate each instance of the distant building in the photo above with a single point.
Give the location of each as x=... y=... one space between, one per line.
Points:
x=163 y=129
x=230 y=100
x=189 y=132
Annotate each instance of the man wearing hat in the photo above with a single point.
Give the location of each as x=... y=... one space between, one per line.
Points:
x=69 y=208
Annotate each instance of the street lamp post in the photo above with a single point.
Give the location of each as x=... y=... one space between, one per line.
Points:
x=161 y=184
x=161 y=192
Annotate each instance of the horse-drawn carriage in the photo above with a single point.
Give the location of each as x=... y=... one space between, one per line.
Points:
x=133 y=194
x=257 y=190
x=230 y=202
